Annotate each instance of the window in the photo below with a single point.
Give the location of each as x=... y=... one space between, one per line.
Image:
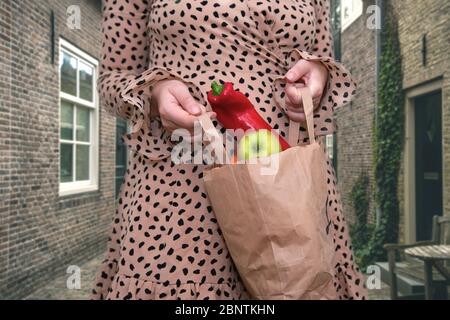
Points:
x=78 y=120
x=330 y=145
x=351 y=10
x=121 y=153
x=331 y=148
x=336 y=28
x=98 y=4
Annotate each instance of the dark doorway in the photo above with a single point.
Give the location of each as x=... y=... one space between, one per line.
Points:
x=428 y=136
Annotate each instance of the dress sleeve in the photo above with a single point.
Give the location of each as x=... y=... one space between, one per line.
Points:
x=341 y=87
x=323 y=43
x=124 y=55
x=127 y=76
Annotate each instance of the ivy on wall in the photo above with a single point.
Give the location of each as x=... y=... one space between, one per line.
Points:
x=387 y=146
x=361 y=230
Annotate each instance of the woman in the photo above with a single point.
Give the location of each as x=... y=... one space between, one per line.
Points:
x=159 y=58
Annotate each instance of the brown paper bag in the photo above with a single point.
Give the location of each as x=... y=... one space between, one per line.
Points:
x=275 y=225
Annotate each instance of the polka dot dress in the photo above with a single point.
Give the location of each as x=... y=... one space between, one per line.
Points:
x=165 y=242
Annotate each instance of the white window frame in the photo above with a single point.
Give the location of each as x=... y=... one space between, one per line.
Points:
x=329 y=145
x=69 y=188
x=355 y=8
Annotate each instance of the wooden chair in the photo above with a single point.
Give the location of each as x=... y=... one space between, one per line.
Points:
x=440 y=235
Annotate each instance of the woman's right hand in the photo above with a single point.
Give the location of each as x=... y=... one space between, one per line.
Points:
x=177 y=108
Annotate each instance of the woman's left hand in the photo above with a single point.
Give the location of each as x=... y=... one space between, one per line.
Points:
x=312 y=74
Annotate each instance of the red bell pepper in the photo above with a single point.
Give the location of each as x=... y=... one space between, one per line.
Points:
x=235 y=111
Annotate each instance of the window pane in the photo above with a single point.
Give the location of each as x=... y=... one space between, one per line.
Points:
x=82 y=162
x=66 y=120
x=86 y=82
x=329 y=145
x=68 y=69
x=66 y=156
x=121 y=153
x=83 y=122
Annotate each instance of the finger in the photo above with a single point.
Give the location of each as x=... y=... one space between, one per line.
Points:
x=298 y=71
x=295 y=111
x=316 y=87
x=299 y=108
x=315 y=100
x=186 y=100
x=295 y=108
x=294 y=100
x=212 y=114
x=296 y=116
x=180 y=117
x=293 y=96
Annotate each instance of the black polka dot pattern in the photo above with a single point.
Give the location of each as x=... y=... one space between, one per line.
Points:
x=165 y=242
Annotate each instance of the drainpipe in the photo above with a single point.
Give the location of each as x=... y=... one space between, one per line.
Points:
x=378 y=45
x=379 y=4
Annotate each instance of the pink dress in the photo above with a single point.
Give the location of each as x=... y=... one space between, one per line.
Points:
x=165 y=242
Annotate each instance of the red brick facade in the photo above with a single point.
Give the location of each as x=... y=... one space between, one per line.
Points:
x=42 y=233
x=354 y=145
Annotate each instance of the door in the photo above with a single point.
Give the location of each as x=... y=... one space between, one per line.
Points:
x=428 y=146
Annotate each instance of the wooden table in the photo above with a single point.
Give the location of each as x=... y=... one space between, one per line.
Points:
x=432 y=256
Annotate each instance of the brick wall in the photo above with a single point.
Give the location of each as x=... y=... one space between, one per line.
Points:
x=415 y=19
x=354 y=121
x=5 y=101
x=41 y=233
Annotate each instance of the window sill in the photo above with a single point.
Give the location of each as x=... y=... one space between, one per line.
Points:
x=68 y=191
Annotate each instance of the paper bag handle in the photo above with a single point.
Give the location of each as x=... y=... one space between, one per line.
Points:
x=213 y=136
x=308 y=107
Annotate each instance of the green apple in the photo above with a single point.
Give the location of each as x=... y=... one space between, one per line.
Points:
x=259 y=143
